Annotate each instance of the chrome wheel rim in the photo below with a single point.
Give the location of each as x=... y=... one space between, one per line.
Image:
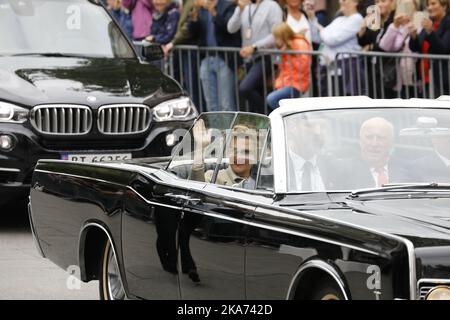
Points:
x=115 y=286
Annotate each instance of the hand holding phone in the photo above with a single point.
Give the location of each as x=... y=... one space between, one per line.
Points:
x=418 y=19
x=243 y=3
x=373 y=18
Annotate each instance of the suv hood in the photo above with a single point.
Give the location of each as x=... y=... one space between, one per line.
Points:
x=33 y=80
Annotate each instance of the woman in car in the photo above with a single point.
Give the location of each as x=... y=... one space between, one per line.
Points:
x=241 y=157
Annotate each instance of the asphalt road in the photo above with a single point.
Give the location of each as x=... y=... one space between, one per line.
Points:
x=23 y=273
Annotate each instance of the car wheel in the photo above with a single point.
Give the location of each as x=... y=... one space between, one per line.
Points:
x=327 y=290
x=111 y=286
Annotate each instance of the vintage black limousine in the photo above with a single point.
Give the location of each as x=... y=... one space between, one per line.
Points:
x=72 y=86
x=327 y=198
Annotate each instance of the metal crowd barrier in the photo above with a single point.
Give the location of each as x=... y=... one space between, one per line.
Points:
x=391 y=75
x=375 y=74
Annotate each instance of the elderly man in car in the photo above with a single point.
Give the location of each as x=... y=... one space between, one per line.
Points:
x=375 y=166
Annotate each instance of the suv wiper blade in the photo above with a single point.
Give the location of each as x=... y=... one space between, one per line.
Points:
x=402 y=187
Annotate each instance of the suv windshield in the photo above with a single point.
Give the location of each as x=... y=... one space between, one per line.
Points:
x=367 y=148
x=60 y=27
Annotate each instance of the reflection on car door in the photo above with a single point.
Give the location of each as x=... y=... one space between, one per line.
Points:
x=149 y=232
x=212 y=243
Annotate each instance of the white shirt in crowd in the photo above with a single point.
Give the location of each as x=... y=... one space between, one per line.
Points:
x=340 y=36
x=300 y=25
x=255 y=23
x=316 y=178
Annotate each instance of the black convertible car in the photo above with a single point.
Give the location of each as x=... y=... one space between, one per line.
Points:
x=73 y=87
x=328 y=198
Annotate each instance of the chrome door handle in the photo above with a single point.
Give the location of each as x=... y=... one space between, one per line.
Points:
x=183 y=197
x=176 y=196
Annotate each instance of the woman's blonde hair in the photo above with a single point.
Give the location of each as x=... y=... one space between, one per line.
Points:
x=285 y=33
x=391 y=11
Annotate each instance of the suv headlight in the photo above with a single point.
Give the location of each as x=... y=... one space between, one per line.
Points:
x=176 y=109
x=12 y=113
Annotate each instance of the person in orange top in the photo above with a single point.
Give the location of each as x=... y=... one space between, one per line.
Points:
x=294 y=69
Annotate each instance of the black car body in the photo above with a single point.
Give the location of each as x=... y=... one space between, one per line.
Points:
x=78 y=90
x=136 y=226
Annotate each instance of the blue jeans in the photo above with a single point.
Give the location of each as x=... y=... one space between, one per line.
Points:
x=274 y=97
x=218 y=84
x=251 y=87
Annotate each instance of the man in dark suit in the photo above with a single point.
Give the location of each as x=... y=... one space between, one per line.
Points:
x=436 y=166
x=374 y=167
x=308 y=169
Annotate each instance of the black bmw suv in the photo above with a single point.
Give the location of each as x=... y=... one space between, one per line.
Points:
x=73 y=87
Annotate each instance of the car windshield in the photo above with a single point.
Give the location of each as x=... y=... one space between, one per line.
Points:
x=366 y=148
x=60 y=27
x=230 y=149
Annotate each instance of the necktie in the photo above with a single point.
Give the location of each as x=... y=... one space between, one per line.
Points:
x=382 y=177
x=306 y=176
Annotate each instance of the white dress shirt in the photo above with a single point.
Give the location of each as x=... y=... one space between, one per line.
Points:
x=298 y=162
x=340 y=36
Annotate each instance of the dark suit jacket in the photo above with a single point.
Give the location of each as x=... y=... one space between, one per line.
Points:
x=356 y=173
x=431 y=169
x=328 y=171
x=439 y=44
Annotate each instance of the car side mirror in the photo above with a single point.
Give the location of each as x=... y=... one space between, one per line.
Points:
x=152 y=51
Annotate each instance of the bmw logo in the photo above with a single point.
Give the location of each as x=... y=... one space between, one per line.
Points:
x=91 y=99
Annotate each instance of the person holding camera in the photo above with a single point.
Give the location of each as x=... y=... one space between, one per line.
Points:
x=255 y=19
x=434 y=38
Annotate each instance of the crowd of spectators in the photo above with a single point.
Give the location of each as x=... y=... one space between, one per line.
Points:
x=332 y=28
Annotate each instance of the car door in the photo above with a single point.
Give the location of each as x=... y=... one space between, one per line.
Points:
x=149 y=233
x=212 y=244
x=216 y=218
x=151 y=222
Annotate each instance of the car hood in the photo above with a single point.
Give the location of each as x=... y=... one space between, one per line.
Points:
x=424 y=221
x=33 y=80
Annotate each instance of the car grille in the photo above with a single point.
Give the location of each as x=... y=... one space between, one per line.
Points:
x=123 y=119
x=423 y=291
x=62 y=119
x=424 y=286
